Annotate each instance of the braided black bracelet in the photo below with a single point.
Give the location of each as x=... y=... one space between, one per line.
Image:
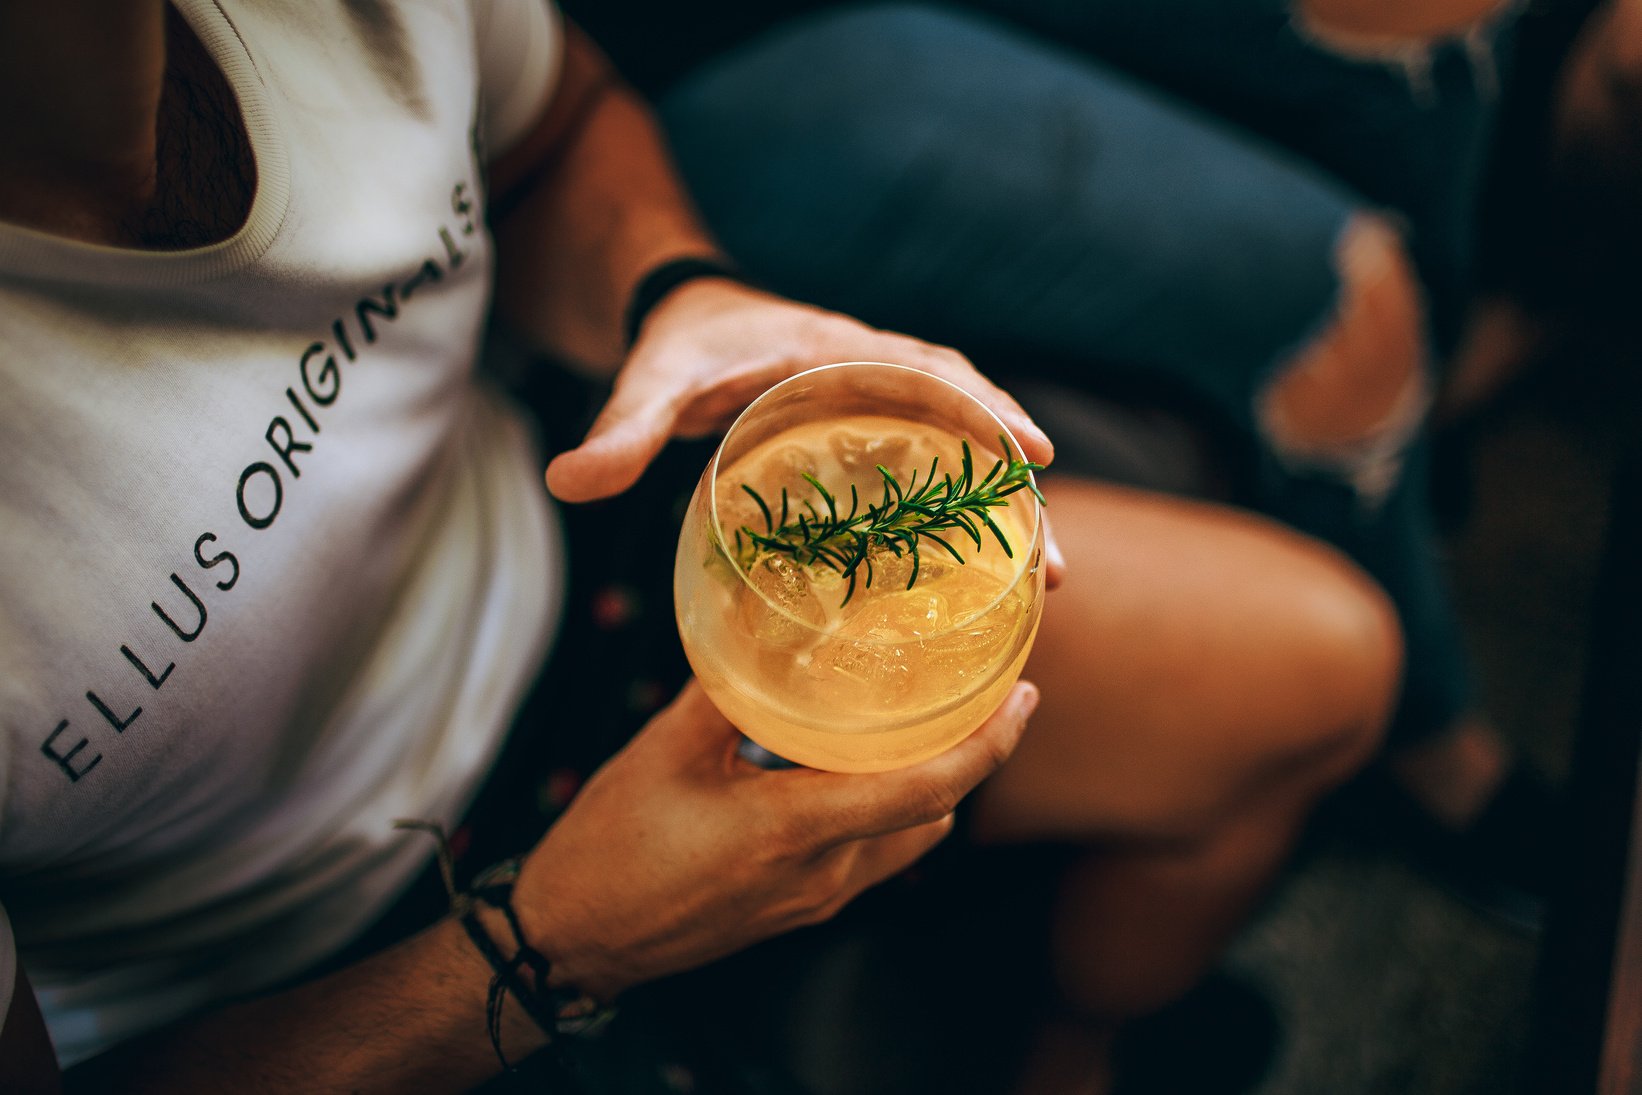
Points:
x=562 y=1011
x=654 y=287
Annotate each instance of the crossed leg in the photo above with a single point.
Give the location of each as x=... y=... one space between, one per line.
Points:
x=1207 y=675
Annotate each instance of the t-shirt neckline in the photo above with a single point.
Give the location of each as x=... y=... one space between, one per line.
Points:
x=41 y=256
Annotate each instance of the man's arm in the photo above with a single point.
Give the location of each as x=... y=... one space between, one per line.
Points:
x=409 y=1019
x=675 y=853
x=589 y=203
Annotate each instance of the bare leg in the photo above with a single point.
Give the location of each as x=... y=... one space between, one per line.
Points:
x=1206 y=675
x=1193 y=653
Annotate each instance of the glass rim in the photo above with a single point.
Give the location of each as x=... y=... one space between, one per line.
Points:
x=716 y=531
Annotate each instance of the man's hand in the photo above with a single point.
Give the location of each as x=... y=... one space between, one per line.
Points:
x=678 y=852
x=711 y=347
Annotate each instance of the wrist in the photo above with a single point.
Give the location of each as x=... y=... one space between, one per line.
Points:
x=512 y=1027
x=578 y=965
x=665 y=280
x=499 y=941
x=553 y=999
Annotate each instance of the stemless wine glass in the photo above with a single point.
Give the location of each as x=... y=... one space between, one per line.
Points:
x=907 y=655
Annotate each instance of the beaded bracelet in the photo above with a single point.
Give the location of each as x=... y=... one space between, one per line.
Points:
x=654 y=287
x=561 y=1011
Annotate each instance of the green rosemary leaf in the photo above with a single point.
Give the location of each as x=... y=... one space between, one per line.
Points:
x=967 y=525
x=890 y=483
x=1003 y=541
x=769 y=525
x=906 y=515
x=826 y=496
x=833 y=557
x=948 y=548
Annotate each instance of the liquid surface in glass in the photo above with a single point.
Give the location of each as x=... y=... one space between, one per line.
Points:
x=891 y=676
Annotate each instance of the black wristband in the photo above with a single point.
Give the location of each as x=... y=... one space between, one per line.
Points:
x=654 y=287
x=561 y=1011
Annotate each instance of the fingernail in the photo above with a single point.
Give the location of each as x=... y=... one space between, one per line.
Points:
x=1031 y=429
x=1057 y=558
x=1029 y=698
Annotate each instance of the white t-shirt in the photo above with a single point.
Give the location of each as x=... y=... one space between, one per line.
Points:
x=275 y=565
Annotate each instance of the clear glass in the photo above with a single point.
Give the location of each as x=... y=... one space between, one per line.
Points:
x=889 y=675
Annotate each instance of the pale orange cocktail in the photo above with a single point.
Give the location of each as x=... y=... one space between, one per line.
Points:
x=893 y=638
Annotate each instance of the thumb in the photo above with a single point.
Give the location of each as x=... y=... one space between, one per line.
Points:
x=872 y=804
x=882 y=857
x=621 y=444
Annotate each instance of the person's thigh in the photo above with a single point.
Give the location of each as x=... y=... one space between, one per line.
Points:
x=950 y=177
x=1194 y=658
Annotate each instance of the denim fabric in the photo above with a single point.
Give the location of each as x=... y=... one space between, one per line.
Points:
x=951 y=175
x=1408 y=130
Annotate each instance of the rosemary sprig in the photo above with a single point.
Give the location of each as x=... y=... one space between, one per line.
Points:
x=901 y=522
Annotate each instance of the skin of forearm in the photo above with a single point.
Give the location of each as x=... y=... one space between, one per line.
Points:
x=601 y=206
x=409 y=1019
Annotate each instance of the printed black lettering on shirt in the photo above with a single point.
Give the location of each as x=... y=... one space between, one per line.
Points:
x=65 y=761
x=279 y=425
x=216 y=560
x=387 y=308
x=263 y=520
x=259 y=494
x=142 y=667
x=186 y=636
x=330 y=377
x=119 y=724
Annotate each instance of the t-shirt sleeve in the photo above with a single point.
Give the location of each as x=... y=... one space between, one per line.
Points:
x=521 y=50
x=8 y=965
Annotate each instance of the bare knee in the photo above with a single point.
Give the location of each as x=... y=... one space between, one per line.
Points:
x=1343 y=643
x=1354 y=670
x=1353 y=398
x=1197 y=660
